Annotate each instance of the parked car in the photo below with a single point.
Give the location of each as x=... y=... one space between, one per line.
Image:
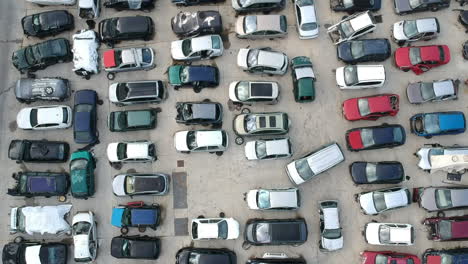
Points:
x=132 y=120
x=276 y=258
x=201 y=141
x=379 y=201
x=434 y=199
x=352 y=27
x=188 y=24
x=454 y=255
x=247 y=92
x=421 y=59
x=375 y=137
x=135 y=247
x=195 y=2
x=89 y=9
x=331 y=238
x=260 y=232
x=258 y=124
x=120 y=5
x=47 y=23
x=447 y=228
x=438 y=123
x=35 y=252
x=131 y=151
x=435 y=158
x=30 y=184
x=85 y=117
x=389 y=234
x=136 y=214
x=376 y=257
x=267 y=149
x=355 y=5
x=29 y=90
x=303 y=77
x=262 y=60
x=52 y=2
x=314 y=163
x=383 y=172
x=40 y=220
x=261 y=26
x=38 y=151
x=85 y=243
x=356 y=51
x=85 y=53
x=273 y=199
x=130 y=184
x=360 y=76
x=207 y=255
x=116 y=29
x=82 y=166
x=41 y=55
x=465 y=50
x=404 y=7
x=413 y=30
x=137 y=92
x=306 y=19
x=258 y=5
x=214 y=228
x=421 y=92
x=371 y=107
x=196 y=76
x=199 y=113
x=44 y=117
x=197 y=48
x=128 y=59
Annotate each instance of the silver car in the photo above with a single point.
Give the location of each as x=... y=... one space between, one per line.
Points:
x=273 y=199
x=331 y=238
x=128 y=59
x=306 y=19
x=266 y=149
x=262 y=60
x=261 y=26
x=442 y=90
x=412 y=30
x=378 y=201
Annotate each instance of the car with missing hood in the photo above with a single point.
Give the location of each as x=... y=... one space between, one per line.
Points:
x=136 y=214
x=135 y=247
x=352 y=27
x=130 y=184
x=131 y=151
x=389 y=234
x=442 y=256
x=258 y=124
x=267 y=149
x=331 y=237
x=23 y=251
x=38 y=151
x=360 y=76
x=89 y=9
x=247 y=92
x=371 y=107
x=262 y=232
x=257 y=5
x=435 y=91
x=120 y=5
x=438 y=123
x=47 y=23
x=384 y=257
x=434 y=199
x=29 y=90
x=84 y=237
x=137 y=92
x=404 y=7
x=261 y=26
x=44 y=117
x=82 y=166
x=454 y=228
x=128 y=59
x=262 y=60
x=85 y=117
x=382 y=172
x=197 y=48
x=352 y=6
x=273 y=199
x=116 y=29
x=306 y=19
x=375 y=137
x=422 y=58
x=32 y=184
x=214 y=228
x=413 y=30
x=207 y=255
x=188 y=24
x=132 y=120
x=379 y=201
x=199 y=113
x=213 y=141
x=196 y=76
x=356 y=51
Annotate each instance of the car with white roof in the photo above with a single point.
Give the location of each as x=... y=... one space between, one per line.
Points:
x=128 y=59
x=45 y=117
x=331 y=238
x=201 y=141
x=262 y=60
x=378 y=201
x=273 y=199
x=214 y=228
x=360 y=76
x=84 y=237
x=306 y=19
x=197 y=48
x=267 y=149
x=352 y=27
x=261 y=26
x=247 y=92
x=389 y=234
x=435 y=91
x=412 y=30
x=131 y=151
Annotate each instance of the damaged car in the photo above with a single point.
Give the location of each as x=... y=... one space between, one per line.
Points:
x=38 y=151
x=119 y=5
x=85 y=53
x=32 y=184
x=40 y=219
x=49 y=23
x=352 y=27
x=24 y=251
x=29 y=90
x=189 y=24
x=128 y=59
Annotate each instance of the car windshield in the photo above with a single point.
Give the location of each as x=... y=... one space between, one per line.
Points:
x=427 y=91
x=146 y=55
x=357 y=49
x=129 y=184
x=122 y=151
x=446 y=259
x=30 y=56
x=332 y=233
x=381 y=259
x=260 y=149
x=415 y=56
x=33 y=117
x=379 y=201
x=250 y=24
x=431 y=123
x=397 y=135
x=414 y=3
x=191 y=140
x=384 y=234
x=410 y=28
x=263 y=199
x=122 y=91
x=363 y=105
x=186 y=47
x=21 y=225
x=347 y=28
x=445 y=229
x=309 y=26
x=250 y=123
x=126 y=248
x=304 y=2
x=184 y=75
x=78 y=164
x=350 y=75
x=223 y=229
x=262 y=233
x=367 y=137
x=443 y=198
x=371 y=172
x=252 y=57
x=36 y=21
x=81 y=228
x=242 y=91
x=348 y=3
x=303 y=169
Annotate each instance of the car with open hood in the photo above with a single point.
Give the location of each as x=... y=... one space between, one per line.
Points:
x=421 y=59
x=435 y=91
x=130 y=184
x=352 y=27
x=213 y=141
x=352 y=6
x=262 y=232
x=379 y=201
x=29 y=90
x=137 y=92
x=257 y=5
x=261 y=26
x=258 y=124
x=206 y=255
x=82 y=166
x=84 y=232
x=434 y=199
x=44 y=117
x=273 y=199
x=413 y=30
x=389 y=234
x=377 y=257
x=438 y=123
x=199 y=113
x=365 y=50
x=188 y=24
x=89 y=9
x=306 y=19
x=38 y=151
x=23 y=251
x=262 y=60
x=454 y=228
x=135 y=247
x=331 y=237
x=31 y=184
x=382 y=172
x=442 y=256
x=214 y=228
x=196 y=76
x=404 y=7
x=268 y=149
x=120 y=5
x=85 y=117
x=132 y=120
x=360 y=76
x=47 y=23
x=131 y=151
x=303 y=78
x=116 y=29
x=375 y=137
x=128 y=59
x=197 y=48
x=371 y=107
x=136 y=214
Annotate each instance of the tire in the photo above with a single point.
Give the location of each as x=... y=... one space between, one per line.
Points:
x=219 y=153
x=142 y=229
x=245 y=110
x=239 y=140
x=111 y=76
x=197 y=89
x=434 y=9
x=200 y=217
x=427 y=137
x=18 y=239
x=406 y=70
x=440 y=214
x=124 y=230
x=87 y=77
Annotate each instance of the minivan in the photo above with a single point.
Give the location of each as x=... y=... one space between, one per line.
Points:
x=137 y=92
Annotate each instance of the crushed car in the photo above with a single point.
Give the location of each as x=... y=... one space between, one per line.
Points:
x=435 y=158
x=352 y=27
x=189 y=24
x=89 y=9
x=40 y=219
x=85 y=53
x=454 y=228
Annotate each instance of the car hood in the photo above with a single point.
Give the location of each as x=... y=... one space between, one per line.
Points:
x=232 y=91
x=180 y=141
x=428 y=200
x=23 y=119
x=351 y=109
x=402 y=6
x=414 y=93
x=398 y=32
x=251 y=198
x=372 y=233
x=340 y=77
x=242 y=58
x=233 y=228
x=176 y=50
x=174 y=74
x=293 y=173
x=332 y=244
x=112 y=152
x=354 y=139
x=113 y=93
x=81 y=246
x=402 y=57
x=19 y=59
x=250 y=152
x=118 y=185
x=367 y=203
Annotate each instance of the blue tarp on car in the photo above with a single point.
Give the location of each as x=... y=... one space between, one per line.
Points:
x=144 y=216
x=42 y=184
x=117 y=214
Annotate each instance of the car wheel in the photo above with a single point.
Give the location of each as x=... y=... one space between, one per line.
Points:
x=246 y=245
x=206 y=100
x=124 y=230
x=427 y=137
x=405 y=70
x=18 y=239
x=111 y=76
x=245 y=110
x=440 y=214
x=197 y=89
x=87 y=77
x=222 y=214
x=434 y=9
x=401 y=43
x=424 y=69
x=239 y=140
x=142 y=229
x=219 y=153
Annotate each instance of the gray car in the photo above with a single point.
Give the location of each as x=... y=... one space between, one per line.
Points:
x=442 y=90
x=273 y=199
x=137 y=92
x=261 y=26
x=403 y=7
x=331 y=238
x=441 y=198
x=412 y=30
x=48 y=89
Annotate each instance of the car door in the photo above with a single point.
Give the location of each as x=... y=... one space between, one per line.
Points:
x=93 y=243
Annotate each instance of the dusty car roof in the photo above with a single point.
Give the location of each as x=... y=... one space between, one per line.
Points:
x=268 y=58
x=204 y=111
x=128 y=55
x=331 y=218
x=283 y=198
x=268 y=22
x=275 y=147
x=209 y=138
x=426 y=24
x=361 y=21
x=442 y=88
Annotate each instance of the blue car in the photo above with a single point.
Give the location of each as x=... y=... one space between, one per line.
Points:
x=439 y=123
x=198 y=77
x=85 y=117
x=136 y=214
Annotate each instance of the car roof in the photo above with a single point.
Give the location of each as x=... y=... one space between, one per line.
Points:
x=132 y=24
x=275 y=147
x=430 y=53
x=444 y=87
x=208 y=230
x=142 y=89
x=380 y=103
x=452 y=120
x=201 y=43
x=400 y=235
x=396 y=198
x=82 y=121
x=361 y=21
x=459 y=197
x=427 y=24
x=270 y=58
x=129 y=56
x=201 y=73
x=261 y=89
x=325 y=158
x=137 y=150
x=459 y=229
x=370 y=72
x=283 y=198
x=48 y=115
x=209 y=138
x=268 y=22
x=204 y=111
x=331 y=218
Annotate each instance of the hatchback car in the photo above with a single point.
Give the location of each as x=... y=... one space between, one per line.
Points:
x=47 y=23
x=128 y=59
x=378 y=201
x=135 y=247
x=421 y=59
x=436 y=124
x=206 y=256
x=442 y=256
x=199 y=113
x=331 y=237
x=196 y=76
x=383 y=172
x=261 y=232
x=44 y=117
x=136 y=214
x=257 y=5
x=84 y=237
x=258 y=124
x=306 y=19
x=441 y=198
x=303 y=77
x=85 y=117
x=276 y=258
x=130 y=184
x=356 y=51
x=47 y=89
x=360 y=76
x=34 y=252
x=262 y=60
x=32 y=184
x=201 y=141
x=453 y=228
x=120 y=5
x=197 y=48
x=131 y=151
x=404 y=7
x=82 y=166
x=214 y=228
x=435 y=91
x=389 y=234
x=267 y=149
x=132 y=120
x=352 y=6
x=116 y=29
x=137 y=92
x=261 y=26
x=377 y=257
x=375 y=137
x=273 y=199
x=413 y=30
x=247 y=92
x=352 y=27
x=371 y=107
x=38 y=151
x=188 y=24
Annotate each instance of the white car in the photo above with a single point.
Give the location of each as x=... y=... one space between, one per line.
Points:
x=45 y=117
x=262 y=60
x=89 y=9
x=85 y=53
x=413 y=30
x=214 y=228
x=52 y=2
x=84 y=237
x=389 y=234
x=306 y=19
x=331 y=237
x=360 y=76
x=352 y=27
x=201 y=141
x=265 y=149
x=254 y=91
x=131 y=151
x=273 y=199
x=378 y=201
x=197 y=48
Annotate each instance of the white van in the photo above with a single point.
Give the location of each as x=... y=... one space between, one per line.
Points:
x=89 y=9
x=306 y=168
x=435 y=158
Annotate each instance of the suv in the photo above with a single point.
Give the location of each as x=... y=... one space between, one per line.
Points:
x=128 y=59
x=131 y=151
x=113 y=30
x=246 y=92
x=262 y=60
x=352 y=27
x=201 y=141
x=303 y=77
x=137 y=92
x=360 y=76
x=82 y=166
x=85 y=243
x=47 y=23
x=331 y=238
x=257 y=5
x=199 y=113
x=258 y=124
x=273 y=199
x=266 y=149
x=47 y=89
x=389 y=234
x=447 y=228
x=46 y=184
x=260 y=232
x=412 y=30
x=38 y=151
x=132 y=120
x=214 y=228
x=378 y=201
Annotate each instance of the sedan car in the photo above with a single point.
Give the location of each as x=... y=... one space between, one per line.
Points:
x=47 y=89
x=385 y=257
x=130 y=4
x=19 y=251
x=197 y=48
x=32 y=184
x=376 y=202
x=352 y=6
x=214 y=228
x=261 y=26
x=303 y=77
x=201 y=141
x=382 y=172
x=130 y=184
x=306 y=19
x=188 y=24
x=113 y=30
x=421 y=59
x=434 y=199
x=273 y=199
x=44 y=117
x=257 y=5
x=48 y=23
x=331 y=238
x=131 y=151
x=375 y=137
x=389 y=234
x=435 y=91
x=199 y=113
x=196 y=76
x=82 y=166
x=404 y=7
x=247 y=92
x=85 y=117
x=413 y=30
x=262 y=60
x=267 y=149
x=276 y=258
x=442 y=256
x=356 y=51
x=135 y=247
x=360 y=76
x=453 y=228
x=261 y=232
x=132 y=120
x=84 y=237
x=436 y=124
x=371 y=107
x=206 y=255
x=38 y=151
x=128 y=59
x=136 y=214
x=137 y=92
x=258 y=124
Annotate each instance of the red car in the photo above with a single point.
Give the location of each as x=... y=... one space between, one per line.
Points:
x=388 y=257
x=371 y=107
x=375 y=137
x=447 y=228
x=421 y=59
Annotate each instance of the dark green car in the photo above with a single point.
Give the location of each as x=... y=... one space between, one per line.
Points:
x=82 y=165
x=303 y=79
x=122 y=121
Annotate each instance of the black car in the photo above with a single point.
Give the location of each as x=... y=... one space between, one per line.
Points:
x=47 y=23
x=113 y=30
x=188 y=24
x=48 y=89
x=463 y=19
x=352 y=6
x=85 y=117
x=199 y=113
x=21 y=252
x=403 y=7
x=442 y=256
x=137 y=92
x=38 y=151
x=375 y=137
x=465 y=50
x=196 y=76
x=206 y=256
x=261 y=232
x=46 y=184
x=135 y=247
x=365 y=50
x=42 y=55
x=195 y=2
x=376 y=172
x=276 y=260
x=130 y=4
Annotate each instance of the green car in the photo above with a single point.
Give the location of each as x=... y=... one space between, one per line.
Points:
x=303 y=79
x=82 y=165
x=122 y=121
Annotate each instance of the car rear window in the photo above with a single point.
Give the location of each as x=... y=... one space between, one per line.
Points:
x=65 y=115
x=33 y=117
x=272 y=121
